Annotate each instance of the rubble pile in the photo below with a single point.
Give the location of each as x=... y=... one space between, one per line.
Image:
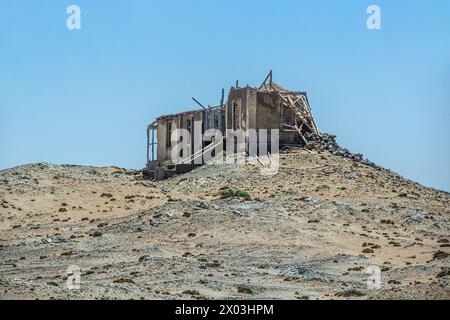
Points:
x=325 y=141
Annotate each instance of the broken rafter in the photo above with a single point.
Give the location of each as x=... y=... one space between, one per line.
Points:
x=196 y=101
x=298 y=130
x=300 y=107
x=269 y=77
x=306 y=102
x=302 y=116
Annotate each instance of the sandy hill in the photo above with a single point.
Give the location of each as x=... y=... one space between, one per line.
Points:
x=309 y=232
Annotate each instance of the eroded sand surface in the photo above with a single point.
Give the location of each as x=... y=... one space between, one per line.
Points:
x=309 y=232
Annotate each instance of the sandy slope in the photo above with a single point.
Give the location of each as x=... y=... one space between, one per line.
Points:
x=301 y=236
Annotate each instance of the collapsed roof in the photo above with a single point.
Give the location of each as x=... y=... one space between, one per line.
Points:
x=297 y=101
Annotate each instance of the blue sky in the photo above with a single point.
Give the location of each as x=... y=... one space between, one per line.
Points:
x=85 y=96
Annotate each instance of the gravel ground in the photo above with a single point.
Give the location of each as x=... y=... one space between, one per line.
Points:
x=308 y=232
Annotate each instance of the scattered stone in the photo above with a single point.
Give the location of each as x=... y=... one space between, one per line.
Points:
x=46 y=240
x=395 y=244
x=440 y=255
x=415 y=216
x=409 y=196
x=244 y=290
x=214 y=264
x=91 y=172
x=191 y=292
x=356 y=269
x=52 y=283
x=95 y=233
x=445 y=271
x=55 y=239
x=124 y=280
x=202 y=204
x=367 y=244
x=310 y=201
x=352 y=176
x=350 y=293
x=106 y=195
x=144 y=258
x=239 y=212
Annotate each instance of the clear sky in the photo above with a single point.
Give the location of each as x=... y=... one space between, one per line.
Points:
x=86 y=96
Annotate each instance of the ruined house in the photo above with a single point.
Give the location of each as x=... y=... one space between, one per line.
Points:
x=268 y=107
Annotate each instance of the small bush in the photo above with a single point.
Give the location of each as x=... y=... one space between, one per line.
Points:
x=228 y=192
x=242 y=194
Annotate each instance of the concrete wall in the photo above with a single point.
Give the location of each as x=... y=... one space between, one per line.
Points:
x=246 y=108
x=240 y=112
x=241 y=108
x=268 y=111
x=164 y=153
x=270 y=114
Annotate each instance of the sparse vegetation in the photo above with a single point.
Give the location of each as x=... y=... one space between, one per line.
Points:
x=228 y=192
x=299 y=230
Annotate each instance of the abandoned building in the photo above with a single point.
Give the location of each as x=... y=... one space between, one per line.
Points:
x=268 y=107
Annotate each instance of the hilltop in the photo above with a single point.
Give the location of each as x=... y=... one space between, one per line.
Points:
x=222 y=231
